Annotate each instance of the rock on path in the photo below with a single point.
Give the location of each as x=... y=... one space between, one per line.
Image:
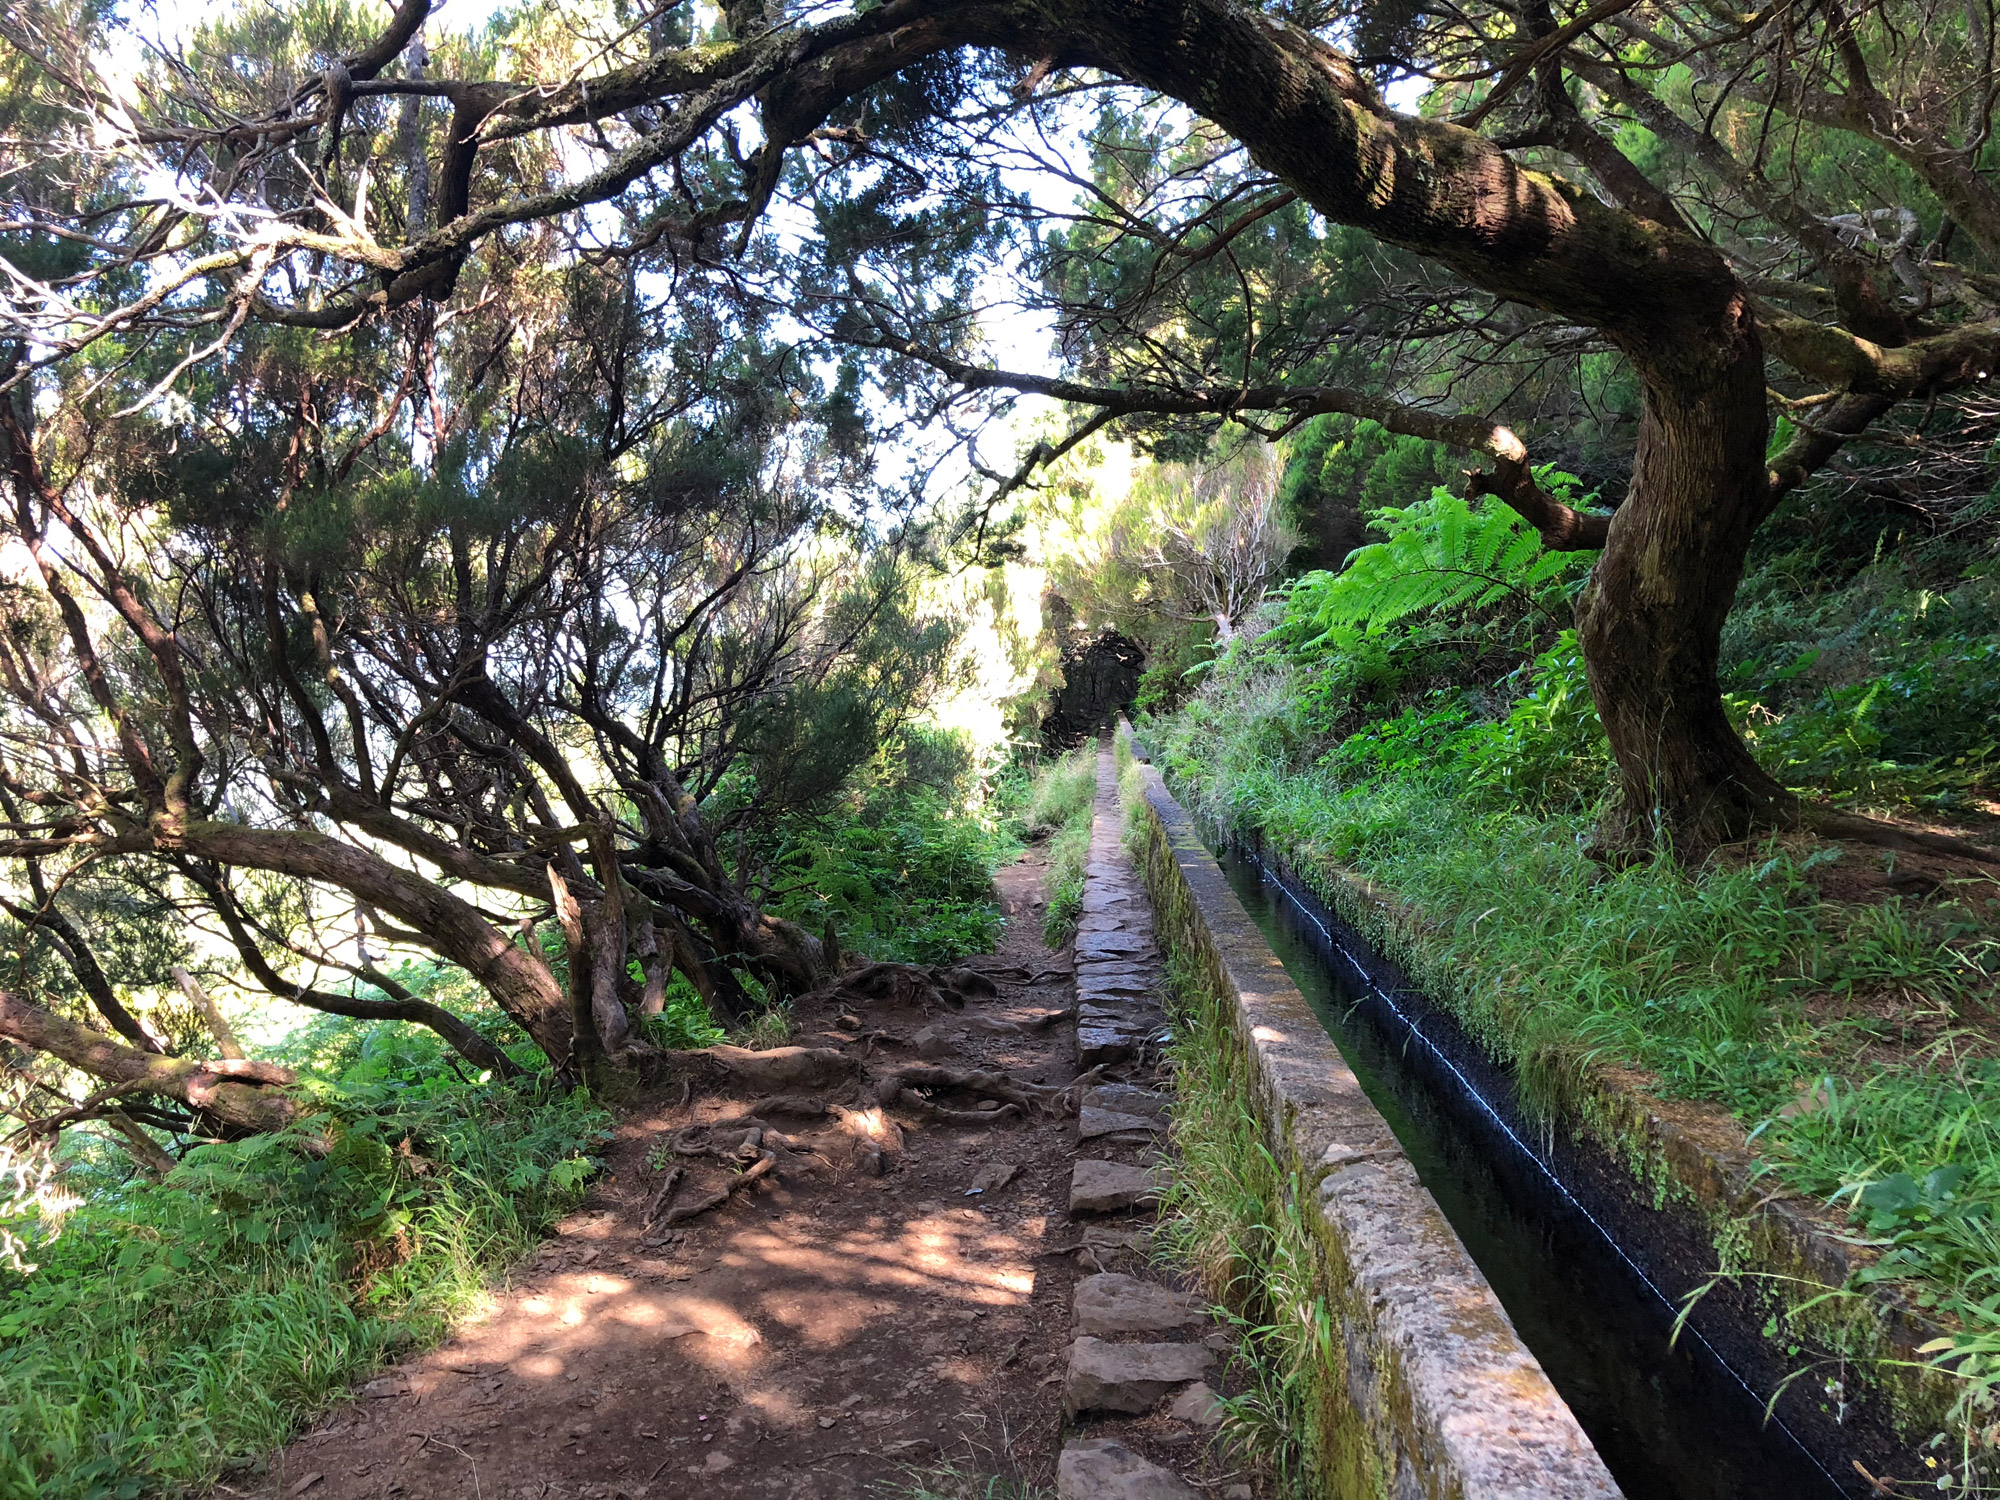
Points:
x=1111 y=1303
x=1128 y=1377
x=1105 y=1469
x=1111 y=1187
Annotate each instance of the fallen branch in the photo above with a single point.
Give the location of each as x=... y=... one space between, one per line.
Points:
x=659 y=1199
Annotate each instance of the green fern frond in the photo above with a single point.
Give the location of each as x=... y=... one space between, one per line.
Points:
x=1439 y=555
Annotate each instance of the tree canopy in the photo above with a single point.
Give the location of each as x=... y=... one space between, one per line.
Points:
x=1753 y=246
x=447 y=464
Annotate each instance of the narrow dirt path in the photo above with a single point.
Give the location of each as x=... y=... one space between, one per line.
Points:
x=809 y=1338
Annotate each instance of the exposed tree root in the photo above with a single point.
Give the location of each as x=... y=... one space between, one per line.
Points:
x=1072 y=1094
x=803 y=1106
x=861 y=1099
x=758 y=1145
x=1027 y=1098
x=906 y=984
x=949 y=1116
x=874 y=1128
x=1886 y=835
x=766 y=1162
x=781 y=1069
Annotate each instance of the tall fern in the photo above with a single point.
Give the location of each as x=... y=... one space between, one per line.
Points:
x=1441 y=555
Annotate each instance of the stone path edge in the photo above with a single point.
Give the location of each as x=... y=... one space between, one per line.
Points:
x=1446 y=1399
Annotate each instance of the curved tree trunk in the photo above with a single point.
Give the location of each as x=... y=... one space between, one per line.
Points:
x=519 y=982
x=400 y=1006
x=1650 y=619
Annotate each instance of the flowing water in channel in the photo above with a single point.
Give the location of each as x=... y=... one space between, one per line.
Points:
x=1672 y=1423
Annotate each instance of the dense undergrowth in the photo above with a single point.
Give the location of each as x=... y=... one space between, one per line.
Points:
x=1054 y=802
x=174 y=1328
x=900 y=864
x=908 y=878
x=1438 y=741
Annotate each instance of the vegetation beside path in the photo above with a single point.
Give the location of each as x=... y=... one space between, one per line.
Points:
x=158 y=1332
x=1437 y=743
x=162 y=1331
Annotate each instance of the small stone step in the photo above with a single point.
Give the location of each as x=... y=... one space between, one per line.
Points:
x=1108 y=1304
x=1128 y=920
x=1111 y=1187
x=1125 y=946
x=1106 y=1044
x=1114 y=1017
x=1095 y=1122
x=1104 y=1469
x=1198 y=1406
x=1128 y=1377
x=1104 y=977
x=1127 y=1099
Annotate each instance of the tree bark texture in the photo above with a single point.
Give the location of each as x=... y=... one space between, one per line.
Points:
x=518 y=981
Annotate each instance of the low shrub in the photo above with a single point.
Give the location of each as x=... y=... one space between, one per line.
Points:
x=1059 y=803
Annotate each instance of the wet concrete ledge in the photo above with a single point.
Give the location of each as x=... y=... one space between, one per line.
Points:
x=1445 y=1400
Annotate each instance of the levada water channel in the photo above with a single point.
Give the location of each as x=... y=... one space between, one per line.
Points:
x=1590 y=1274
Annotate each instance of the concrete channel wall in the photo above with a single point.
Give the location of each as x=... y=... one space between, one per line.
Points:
x=1441 y=1399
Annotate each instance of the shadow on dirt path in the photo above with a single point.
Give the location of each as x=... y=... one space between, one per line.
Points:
x=811 y=1338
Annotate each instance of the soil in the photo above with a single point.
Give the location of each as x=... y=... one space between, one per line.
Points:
x=817 y=1336
x=1866 y=875
x=1882 y=1025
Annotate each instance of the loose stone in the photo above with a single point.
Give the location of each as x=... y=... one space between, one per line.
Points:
x=1102 y=1469
x=1198 y=1406
x=1128 y=1377
x=1123 y=945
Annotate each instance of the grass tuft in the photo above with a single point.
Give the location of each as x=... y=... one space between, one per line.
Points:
x=1229 y=1218
x=171 y=1331
x=1059 y=804
x=1854 y=1042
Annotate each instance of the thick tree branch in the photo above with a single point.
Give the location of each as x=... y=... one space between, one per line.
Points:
x=1563 y=528
x=1819 y=438
x=1960 y=358
x=401 y=1006
x=225 y=1090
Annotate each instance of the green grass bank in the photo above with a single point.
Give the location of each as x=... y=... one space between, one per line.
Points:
x=1850 y=1039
